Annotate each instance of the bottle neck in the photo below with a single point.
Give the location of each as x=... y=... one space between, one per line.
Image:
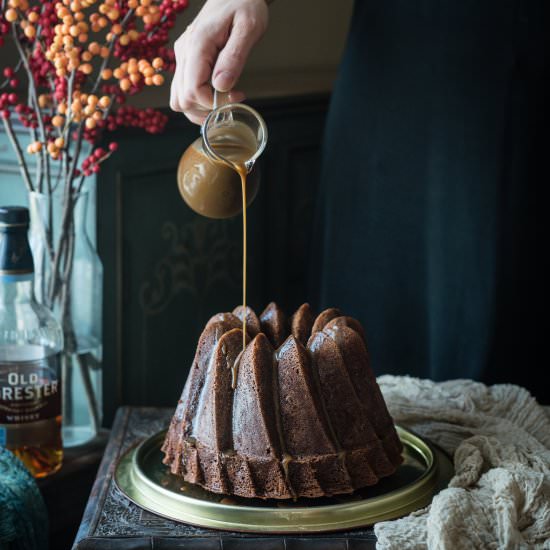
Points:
x=16 y=288
x=16 y=265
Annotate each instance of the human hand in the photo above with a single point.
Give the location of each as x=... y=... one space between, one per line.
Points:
x=213 y=51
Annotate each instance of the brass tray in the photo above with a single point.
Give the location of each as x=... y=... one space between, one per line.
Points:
x=142 y=477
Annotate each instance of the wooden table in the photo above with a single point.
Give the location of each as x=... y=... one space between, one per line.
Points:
x=111 y=521
x=66 y=492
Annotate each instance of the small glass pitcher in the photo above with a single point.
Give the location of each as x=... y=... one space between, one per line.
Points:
x=232 y=135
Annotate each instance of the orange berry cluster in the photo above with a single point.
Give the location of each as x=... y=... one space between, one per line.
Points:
x=65 y=42
x=99 y=22
x=54 y=147
x=145 y=9
x=109 y=9
x=14 y=7
x=87 y=107
x=84 y=107
x=65 y=51
x=133 y=72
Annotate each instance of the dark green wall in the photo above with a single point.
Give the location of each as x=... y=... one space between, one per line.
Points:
x=167 y=270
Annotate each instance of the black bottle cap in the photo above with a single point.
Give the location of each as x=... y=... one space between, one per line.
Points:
x=15 y=253
x=14 y=216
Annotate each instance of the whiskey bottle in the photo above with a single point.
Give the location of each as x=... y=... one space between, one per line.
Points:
x=31 y=341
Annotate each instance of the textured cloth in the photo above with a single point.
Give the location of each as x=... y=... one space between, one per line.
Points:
x=500 y=440
x=23 y=516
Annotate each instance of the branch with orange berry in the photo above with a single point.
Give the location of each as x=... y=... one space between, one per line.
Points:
x=78 y=61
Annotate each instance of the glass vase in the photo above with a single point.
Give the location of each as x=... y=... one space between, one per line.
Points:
x=78 y=305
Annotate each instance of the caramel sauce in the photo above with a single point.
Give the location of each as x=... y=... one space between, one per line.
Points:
x=235 y=368
x=287 y=459
x=242 y=171
x=237 y=148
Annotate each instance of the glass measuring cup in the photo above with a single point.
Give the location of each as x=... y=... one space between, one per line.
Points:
x=229 y=123
x=233 y=136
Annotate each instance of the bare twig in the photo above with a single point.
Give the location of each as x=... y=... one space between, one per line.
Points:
x=34 y=96
x=69 y=257
x=39 y=172
x=57 y=179
x=80 y=185
x=78 y=147
x=91 y=400
x=66 y=219
x=70 y=88
x=109 y=109
x=49 y=232
x=19 y=154
x=155 y=28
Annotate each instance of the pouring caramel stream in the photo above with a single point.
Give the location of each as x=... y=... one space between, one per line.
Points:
x=242 y=171
x=237 y=148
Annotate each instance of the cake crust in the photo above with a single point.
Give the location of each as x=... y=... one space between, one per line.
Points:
x=297 y=414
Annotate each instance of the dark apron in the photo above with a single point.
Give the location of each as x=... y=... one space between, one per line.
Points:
x=426 y=209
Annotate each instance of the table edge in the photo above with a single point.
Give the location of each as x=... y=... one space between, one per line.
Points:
x=105 y=472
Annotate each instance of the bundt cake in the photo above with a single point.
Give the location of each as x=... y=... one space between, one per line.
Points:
x=297 y=414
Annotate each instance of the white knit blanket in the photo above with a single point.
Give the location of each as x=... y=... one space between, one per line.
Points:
x=500 y=440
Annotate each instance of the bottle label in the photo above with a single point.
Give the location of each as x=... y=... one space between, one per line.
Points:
x=30 y=391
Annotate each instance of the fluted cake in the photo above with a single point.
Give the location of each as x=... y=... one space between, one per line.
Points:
x=297 y=414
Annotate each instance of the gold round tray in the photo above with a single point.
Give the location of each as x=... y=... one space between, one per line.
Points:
x=142 y=477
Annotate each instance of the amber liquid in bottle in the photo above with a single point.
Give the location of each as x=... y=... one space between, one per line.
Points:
x=30 y=407
x=48 y=457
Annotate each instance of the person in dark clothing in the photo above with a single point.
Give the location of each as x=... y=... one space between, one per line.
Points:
x=426 y=216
